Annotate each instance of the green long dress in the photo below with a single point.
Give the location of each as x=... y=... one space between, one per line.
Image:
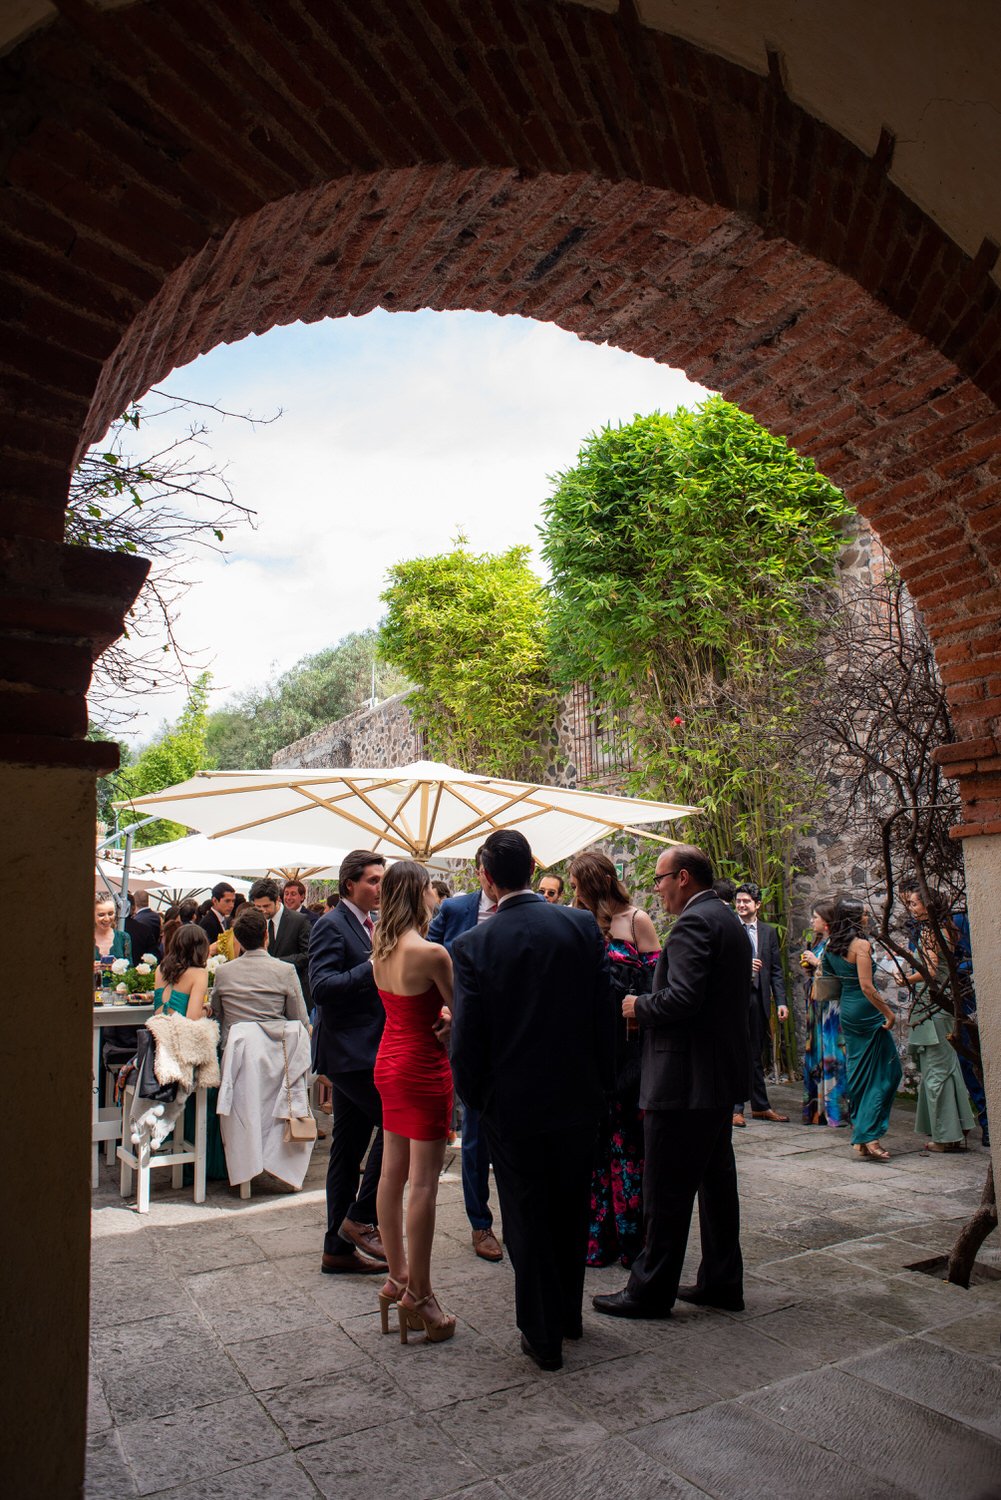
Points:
x=215 y=1156
x=873 y=1064
x=944 y=1110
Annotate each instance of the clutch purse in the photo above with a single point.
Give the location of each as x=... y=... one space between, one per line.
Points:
x=826 y=987
x=297 y=1127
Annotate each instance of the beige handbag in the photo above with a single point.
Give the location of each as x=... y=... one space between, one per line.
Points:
x=297 y=1128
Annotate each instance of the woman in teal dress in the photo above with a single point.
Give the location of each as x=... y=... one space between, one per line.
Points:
x=182 y=986
x=109 y=941
x=944 y=1111
x=825 y=1081
x=874 y=1070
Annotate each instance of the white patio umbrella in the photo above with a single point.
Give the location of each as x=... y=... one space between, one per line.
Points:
x=420 y=811
x=247 y=857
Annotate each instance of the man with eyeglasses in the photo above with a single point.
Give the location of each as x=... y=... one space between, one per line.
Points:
x=695 y=1059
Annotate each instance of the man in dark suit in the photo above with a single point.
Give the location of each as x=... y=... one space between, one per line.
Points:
x=455 y=915
x=695 y=1055
x=217 y=918
x=294 y=899
x=144 y=928
x=346 y=1040
x=288 y=931
x=766 y=980
x=532 y=1046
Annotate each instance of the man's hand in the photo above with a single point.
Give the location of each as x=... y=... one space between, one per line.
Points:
x=442 y=1028
x=755 y=965
x=629 y=1007
x=783 y=1012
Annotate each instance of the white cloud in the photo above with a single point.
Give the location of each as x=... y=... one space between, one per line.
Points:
x=397 y=431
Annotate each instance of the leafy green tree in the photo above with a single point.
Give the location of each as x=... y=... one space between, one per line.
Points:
x=318 y=690
x=175 y=755
x=687 y=552
x=471 y=630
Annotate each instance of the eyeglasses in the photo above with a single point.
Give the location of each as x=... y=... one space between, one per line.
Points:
x=667 y=875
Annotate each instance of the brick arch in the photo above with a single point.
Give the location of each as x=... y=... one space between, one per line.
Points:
x=184 y=176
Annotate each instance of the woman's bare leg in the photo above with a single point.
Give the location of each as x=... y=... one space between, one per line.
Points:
x=426 y=1158
x=389 y=1202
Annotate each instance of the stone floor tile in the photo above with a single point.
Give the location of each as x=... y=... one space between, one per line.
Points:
x=108 y=1475
x=281 y=1359
x=633 y=1392
x=826 y=1330
x=407 y=1459
x=297 y=1239
x=512 y=1429
x=614 y=1470
x=196 y=1248
x=733 y=1451
x=891 y=1438
x=130 y=1293
x=437 y=1375
x=252 y=1301
x=99 y=1417
x=329 y=1406
x=272 y=1479
x=975 y=1334
x=725 y=1354
x=153 y=1338
x=178 y=1378
x=953 y=1384
x=165 y=1451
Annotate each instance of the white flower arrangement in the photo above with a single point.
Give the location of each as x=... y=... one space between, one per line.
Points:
x=143 y=968
x=216 y=961
x=148 y=958
x=120 y=966
x=122 y=989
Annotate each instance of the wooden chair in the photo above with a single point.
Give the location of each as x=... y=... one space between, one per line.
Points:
x=141 y=1160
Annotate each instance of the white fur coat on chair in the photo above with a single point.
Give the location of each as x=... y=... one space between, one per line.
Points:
x=186 y=1054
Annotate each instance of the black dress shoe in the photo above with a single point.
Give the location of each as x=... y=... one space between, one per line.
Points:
x=706 y=1299
x=544 y=1361
x=621 y=1305
x=353 y=1263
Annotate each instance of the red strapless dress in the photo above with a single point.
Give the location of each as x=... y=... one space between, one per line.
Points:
x=412 y=1071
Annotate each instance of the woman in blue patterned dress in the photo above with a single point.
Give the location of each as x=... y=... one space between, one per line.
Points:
x=616 y=1228
x=825 y=1084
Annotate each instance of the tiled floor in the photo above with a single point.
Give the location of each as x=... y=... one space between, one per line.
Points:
x=225 y=1365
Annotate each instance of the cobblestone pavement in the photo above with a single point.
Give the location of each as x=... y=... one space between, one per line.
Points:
x=225 y=1365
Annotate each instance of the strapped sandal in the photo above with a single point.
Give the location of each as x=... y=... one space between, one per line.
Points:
x=411 y=1317
x=389 y=1299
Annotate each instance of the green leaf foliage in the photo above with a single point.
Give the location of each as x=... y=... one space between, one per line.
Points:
x=471 y=630
x=688 y=554
x=175 y=755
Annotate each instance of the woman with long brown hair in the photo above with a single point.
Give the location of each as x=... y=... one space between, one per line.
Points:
x=616 y=1229
x=414 y=1079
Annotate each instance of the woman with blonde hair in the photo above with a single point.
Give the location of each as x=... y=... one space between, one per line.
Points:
x=616 y=1226
x=414 y=1079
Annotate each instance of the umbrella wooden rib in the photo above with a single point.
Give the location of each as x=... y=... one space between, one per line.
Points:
x=388 y=819
x=487 y=818
x=482 y=817
x=293 y=812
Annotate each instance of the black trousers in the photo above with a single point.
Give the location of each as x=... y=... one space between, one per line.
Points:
x=759 y=1040
x=688 y=1154
x=544 y=1187
x=357 y=1112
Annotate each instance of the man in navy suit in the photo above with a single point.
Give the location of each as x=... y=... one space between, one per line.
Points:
x=346 y=1040
x=766 y=980
x=456 y=915
x=532 y=1049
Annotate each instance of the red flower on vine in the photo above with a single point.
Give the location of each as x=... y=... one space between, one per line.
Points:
x=677 y=721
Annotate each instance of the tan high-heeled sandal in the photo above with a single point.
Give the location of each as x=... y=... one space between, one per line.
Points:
x=387 y=1300
x=412 y=1318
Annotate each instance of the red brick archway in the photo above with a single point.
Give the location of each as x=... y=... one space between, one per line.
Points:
x=174 y=175
x=181 y=177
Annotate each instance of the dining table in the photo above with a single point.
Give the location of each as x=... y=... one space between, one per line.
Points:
x=106 y=1117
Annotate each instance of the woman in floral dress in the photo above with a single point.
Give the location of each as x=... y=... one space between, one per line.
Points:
x=616 y=1229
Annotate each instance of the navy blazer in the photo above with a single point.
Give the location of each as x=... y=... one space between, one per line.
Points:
x=696 y=1052
x=350 y=1014
x=455 y=915
x=532 y=1017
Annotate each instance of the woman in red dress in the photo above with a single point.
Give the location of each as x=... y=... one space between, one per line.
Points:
x=414 y=1079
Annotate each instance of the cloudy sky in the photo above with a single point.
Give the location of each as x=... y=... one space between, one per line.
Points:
x=398 y=430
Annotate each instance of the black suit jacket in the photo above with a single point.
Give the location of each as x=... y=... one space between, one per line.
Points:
x=769 y=979
x=532 y=1019
x=696 y=1053
x=211 y=925
x=350 y=1013
x=144 y=930
x=292 y=945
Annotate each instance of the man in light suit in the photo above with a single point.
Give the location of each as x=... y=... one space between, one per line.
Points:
x=695 y=1058
x=288 y=930
x=255 y=986
x=766 y=980
x=532 y=1050
x=350 y=1020
x=455 y=915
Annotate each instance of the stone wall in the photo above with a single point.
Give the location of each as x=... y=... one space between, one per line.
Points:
x=381 y=736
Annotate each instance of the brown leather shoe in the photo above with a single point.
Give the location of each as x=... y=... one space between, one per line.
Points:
x=365 y=1237
x=486 y=1245
x=739 y=1121
x=769 y=1114
x=354 y=1263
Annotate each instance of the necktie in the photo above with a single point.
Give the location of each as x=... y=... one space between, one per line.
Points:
x=271 y=933
x=369 y=926
x=491 y=909
x=751 y=938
